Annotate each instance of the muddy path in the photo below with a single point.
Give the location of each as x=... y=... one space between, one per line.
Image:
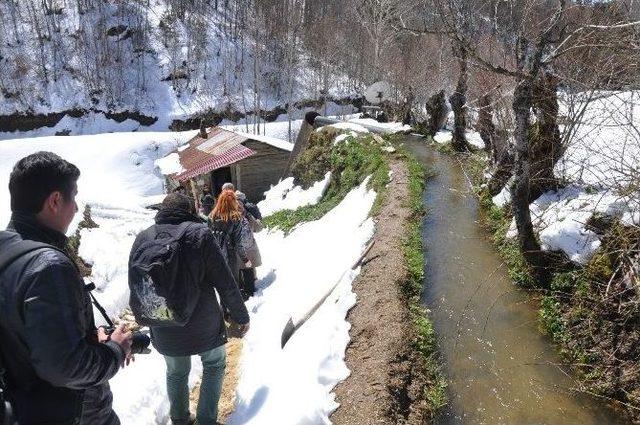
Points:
x=385 y=385
x=500 y=368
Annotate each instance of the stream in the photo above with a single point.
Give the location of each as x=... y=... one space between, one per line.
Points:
x=499 y=367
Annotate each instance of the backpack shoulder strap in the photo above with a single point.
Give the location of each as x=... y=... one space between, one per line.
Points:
x=18 y=249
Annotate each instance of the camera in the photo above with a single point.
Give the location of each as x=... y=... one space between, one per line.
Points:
x=140 y=343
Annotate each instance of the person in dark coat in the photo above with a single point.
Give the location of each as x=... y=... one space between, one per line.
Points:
x=207 y=201
x=226 y=223
x=249 y=207
x=250 y=223
x=205 y=332
x=57 y=363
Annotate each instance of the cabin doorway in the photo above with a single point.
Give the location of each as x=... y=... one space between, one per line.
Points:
x=218 y=178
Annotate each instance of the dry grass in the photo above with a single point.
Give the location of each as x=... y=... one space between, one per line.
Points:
x=228 y=397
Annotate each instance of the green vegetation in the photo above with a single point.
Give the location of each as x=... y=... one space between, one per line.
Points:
x=497 y=221
x=350 y=162
x=425 y=341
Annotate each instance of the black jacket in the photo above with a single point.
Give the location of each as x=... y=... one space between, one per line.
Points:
x=252 y=209
x=232 y=231
x=205 y=329
x=57 y=369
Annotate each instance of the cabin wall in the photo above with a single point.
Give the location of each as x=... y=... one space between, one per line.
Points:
x=256 y=174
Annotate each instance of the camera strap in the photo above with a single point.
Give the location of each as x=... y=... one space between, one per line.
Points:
x=90 y=287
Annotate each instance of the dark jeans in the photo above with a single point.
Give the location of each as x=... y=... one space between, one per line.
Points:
x=213 y=364
x=248 y=279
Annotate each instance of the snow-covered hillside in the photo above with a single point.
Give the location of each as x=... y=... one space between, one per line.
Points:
x=162 y=60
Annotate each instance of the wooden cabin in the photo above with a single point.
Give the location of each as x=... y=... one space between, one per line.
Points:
x=251 y=162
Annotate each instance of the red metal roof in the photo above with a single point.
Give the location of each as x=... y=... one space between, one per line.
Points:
x=220 y=149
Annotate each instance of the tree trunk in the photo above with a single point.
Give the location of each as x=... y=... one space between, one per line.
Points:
x=437 y=109
x=545 y=142
x=487 y=128
x=502 y=172
x=458 y=102
x=529 y=245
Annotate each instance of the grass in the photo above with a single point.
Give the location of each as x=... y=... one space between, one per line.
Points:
x=425 y=341
x=350 y=162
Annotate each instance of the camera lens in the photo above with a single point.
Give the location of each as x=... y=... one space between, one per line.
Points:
x=140 y=343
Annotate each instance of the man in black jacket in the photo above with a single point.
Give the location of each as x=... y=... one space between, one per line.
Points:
x=57 y=363
x=205 y=332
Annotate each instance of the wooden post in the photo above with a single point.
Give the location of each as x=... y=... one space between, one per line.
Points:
x=194 y=193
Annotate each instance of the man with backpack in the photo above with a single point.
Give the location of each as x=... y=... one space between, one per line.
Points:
x=56 y=363
x=175 y=268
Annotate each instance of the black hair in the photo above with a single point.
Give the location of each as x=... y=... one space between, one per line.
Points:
x=37 y=176
x=178 y=201
x=179 y=189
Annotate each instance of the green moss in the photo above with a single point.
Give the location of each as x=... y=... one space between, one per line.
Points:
x=350 y=162
x=552 y=320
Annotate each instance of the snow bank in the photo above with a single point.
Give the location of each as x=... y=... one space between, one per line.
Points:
x=347 y=126
x=601 y=163
x=293 y=385
x=386 y=127
x=560 y=219
x=286 y=196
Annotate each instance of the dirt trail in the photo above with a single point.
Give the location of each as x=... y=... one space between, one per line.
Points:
x=384 y=386
x=228 y=397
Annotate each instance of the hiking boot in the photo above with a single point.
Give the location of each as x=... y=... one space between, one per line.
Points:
x=190 y=421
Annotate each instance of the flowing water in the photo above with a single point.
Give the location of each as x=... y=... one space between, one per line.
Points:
x=500 y=368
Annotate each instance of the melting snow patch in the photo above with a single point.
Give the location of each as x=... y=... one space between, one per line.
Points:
x=443 y=137
x=286 y=196
x=560 y=219
x=474 y=139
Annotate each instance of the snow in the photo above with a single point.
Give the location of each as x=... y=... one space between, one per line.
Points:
x=136 y=78
x=286 y=196
x=504 y=197
x=170 y=164
x=605 y=149
x=443 y=137
x=344 y=136
x=272 y=141
x=389 y=127
x=473 y=137
x=120 y=177
x=293 y=385
x=560 y=219
x=347 y=126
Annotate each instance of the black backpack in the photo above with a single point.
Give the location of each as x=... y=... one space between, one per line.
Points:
x=162 y=290
x=7 y=257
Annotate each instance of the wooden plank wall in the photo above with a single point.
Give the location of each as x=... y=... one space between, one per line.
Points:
x=258 y=172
